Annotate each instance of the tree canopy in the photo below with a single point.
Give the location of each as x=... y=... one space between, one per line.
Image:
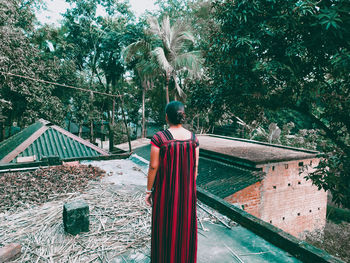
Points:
x=288 y=55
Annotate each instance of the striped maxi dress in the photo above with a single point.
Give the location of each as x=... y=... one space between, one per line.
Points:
x=174 y=215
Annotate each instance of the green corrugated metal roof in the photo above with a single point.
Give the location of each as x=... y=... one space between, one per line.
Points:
x=14 y=141
x=54 y=143
x=49 y=141
x=224 y=179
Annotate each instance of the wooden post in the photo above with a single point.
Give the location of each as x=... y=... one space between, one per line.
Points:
x=111 y=127
x=143 y=135
x=125 y=122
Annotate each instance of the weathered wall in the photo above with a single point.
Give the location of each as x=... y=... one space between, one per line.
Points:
x=291 y=202
x=248 y=198
x=285 y=199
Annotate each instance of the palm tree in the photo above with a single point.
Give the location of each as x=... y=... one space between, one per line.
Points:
x=173 y=55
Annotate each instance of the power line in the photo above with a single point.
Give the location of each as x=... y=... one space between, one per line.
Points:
x=58 y=84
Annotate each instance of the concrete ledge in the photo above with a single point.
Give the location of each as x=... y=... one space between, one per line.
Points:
x=298 y=248
x=15 y=167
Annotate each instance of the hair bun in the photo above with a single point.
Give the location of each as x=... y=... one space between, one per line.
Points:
x=175 y=112
x=180 y=117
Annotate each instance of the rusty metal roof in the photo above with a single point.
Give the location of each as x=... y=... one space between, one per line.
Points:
x=43 y=139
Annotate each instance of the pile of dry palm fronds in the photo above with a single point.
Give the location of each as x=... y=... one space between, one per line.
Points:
x=23 y=188
x=119 y=220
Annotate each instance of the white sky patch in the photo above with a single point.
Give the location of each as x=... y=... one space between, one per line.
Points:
x=55 y=9
x=140 y=6
x=53 y=13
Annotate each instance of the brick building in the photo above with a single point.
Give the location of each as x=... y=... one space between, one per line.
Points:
x=265 y=180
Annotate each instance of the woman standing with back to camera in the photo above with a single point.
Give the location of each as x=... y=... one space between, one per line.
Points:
x=172 y=176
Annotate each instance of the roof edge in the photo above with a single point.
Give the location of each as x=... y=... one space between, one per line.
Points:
x=24 y=145
x=262 y=143
x=298 y=248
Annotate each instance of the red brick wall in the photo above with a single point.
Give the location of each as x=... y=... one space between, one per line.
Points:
x=291 y=202
x=249 y=198
x=285 y=199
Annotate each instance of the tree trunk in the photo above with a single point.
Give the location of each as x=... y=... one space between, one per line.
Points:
x=125 y=123
x=69 y=123
x=91 y=131
x=143 y=134
x=101 y=129
x=111 y=127
x=167 y=88
x=198 y=122
x=80 y=130
x=9 y=126
x=2 y=129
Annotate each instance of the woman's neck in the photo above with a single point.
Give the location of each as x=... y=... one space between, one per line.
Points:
x=171 y=126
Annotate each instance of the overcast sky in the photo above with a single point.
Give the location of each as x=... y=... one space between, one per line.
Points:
x=56 y=7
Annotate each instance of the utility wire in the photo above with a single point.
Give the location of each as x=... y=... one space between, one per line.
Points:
x=58 y=84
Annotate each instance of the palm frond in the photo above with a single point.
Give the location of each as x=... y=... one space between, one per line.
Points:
x=154 y=26
x=166 y=31
x=162 y=60
x=148 y=68
x=191 y=61
x=179 y=90
x=180 y=33
x=136 y=50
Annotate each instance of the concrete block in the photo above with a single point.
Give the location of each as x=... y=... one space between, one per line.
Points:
x=10 y=252
x=76 y=217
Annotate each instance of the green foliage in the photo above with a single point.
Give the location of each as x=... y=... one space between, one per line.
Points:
x=29 y=99
x=288 y=55
x=334 y=239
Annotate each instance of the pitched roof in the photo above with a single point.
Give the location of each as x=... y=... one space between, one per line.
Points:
x=223 y=179
x=45 y=139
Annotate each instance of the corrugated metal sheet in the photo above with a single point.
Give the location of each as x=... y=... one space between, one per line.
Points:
x=54 y=143
x=224 y=179
x=16 y=140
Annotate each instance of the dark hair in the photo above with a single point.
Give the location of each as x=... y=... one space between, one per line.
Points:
x=176 y=112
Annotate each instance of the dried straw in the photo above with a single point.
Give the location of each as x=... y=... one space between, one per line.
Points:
x=119 y=220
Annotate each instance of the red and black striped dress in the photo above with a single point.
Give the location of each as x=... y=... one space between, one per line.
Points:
x=174 y=216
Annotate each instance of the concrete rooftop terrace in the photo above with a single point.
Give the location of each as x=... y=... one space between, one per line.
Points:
x=252 y=151
x=216 y=243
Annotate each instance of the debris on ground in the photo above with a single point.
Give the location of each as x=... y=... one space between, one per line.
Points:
x=119 y=220
x=21 y=189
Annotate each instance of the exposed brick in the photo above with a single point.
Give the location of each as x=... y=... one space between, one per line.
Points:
x=267 y=203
